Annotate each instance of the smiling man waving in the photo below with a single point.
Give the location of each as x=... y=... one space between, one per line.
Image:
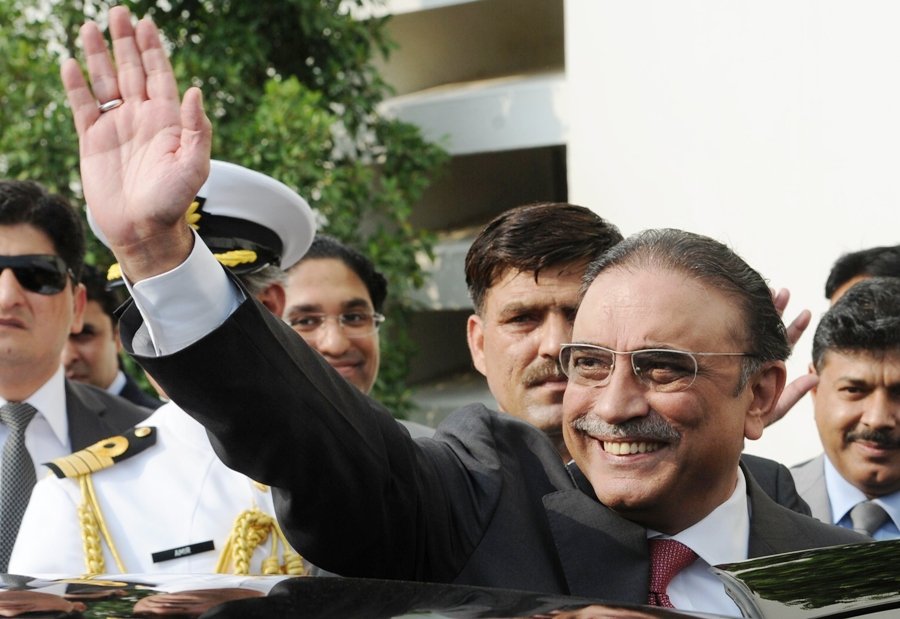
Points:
x=488 y=501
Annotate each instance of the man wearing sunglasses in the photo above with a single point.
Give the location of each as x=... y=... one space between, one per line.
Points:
x=41 y=304
x=488 y=501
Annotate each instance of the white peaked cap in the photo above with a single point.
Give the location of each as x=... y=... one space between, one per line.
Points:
x=241 y=209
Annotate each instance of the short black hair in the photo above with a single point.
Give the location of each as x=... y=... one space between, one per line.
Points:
x=327 y=246
x=866 y=319
x=881 y=261
x=28 y=202
x=533 y=237
x=98 y=289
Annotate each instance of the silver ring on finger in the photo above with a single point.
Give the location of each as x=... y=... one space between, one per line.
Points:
x=110 y=105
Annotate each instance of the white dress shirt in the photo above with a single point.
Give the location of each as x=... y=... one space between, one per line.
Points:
x=118 y=383
x=722 y=537
x=843 y=496
x=47 y=436
x=206 y=298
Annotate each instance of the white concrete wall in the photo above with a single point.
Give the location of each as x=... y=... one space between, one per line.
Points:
x=772 y=125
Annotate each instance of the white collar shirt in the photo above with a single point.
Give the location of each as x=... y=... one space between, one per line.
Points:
x=47 y=436
x=118 y=383
x=842 y=495
x=722 y=537
x=206 y=298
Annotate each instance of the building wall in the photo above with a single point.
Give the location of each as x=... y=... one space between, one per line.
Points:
x=770 y=125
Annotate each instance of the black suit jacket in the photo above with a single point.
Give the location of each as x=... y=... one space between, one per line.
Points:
x=94 y=414
x=131 y=392
x=488 y=501
x=776 y=480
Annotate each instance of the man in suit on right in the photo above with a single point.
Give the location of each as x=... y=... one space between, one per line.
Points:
x=856 y=354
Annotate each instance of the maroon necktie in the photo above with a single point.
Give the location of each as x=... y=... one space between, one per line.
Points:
x=667 y=558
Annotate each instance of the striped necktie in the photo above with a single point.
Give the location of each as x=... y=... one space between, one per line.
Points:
x=867 y=517
x=17 y=476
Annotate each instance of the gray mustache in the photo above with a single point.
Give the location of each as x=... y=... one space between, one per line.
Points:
x=651 y=427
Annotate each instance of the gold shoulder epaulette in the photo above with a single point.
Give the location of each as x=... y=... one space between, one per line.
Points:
x=104 y=454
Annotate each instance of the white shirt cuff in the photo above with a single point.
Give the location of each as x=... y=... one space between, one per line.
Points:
x=183 y=305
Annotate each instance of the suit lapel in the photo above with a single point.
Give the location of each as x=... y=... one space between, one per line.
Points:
x=810 y=481
x=770 y=532
x=602 y=554
x=85 y=416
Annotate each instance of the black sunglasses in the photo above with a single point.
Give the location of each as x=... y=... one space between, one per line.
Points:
x=40 y=273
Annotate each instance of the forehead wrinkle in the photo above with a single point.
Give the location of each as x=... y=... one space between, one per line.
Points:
x=627 y=304
x=551 y=288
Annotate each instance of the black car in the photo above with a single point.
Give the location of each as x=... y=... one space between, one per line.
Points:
x=861 y=580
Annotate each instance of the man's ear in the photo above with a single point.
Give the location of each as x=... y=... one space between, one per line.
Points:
x=117 y=336
x=475 y=337
x=79 y=301
x=814 y=372
x=273 y=298
x=765 y=388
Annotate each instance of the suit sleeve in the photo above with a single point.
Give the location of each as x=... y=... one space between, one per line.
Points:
x=353 y=492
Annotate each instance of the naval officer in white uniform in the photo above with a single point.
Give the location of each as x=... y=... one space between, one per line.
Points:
x=158 y=499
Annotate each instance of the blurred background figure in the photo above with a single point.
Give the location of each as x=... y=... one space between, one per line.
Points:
x=524 y=273
x=859 y=265
x=92 y=355
x=334 y=299
x=856 y=354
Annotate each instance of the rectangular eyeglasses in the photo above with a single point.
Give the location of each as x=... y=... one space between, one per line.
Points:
x=661 y=369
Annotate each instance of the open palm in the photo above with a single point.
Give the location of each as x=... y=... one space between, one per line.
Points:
x=143 y=162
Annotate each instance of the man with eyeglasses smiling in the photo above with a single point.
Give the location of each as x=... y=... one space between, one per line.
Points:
x=41 y=303
x=333 y=299
x=488 y=501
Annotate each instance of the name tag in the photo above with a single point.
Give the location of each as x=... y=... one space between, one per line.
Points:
x=182 y=551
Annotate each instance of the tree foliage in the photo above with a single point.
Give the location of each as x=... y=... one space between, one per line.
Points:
x=292 y=92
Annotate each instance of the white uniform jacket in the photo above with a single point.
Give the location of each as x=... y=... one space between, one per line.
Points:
x=170 y=501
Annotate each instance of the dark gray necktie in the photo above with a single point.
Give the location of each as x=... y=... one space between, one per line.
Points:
x=17 y=476
x=867 y=517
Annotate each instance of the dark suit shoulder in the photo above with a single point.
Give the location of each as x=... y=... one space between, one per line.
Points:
x=93 y=414
x=133 y=393
x=776 y=481
x=491 y=434
x=775 y=529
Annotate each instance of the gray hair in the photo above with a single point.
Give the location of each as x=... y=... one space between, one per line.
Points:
x=257 y=281
x=713 y=263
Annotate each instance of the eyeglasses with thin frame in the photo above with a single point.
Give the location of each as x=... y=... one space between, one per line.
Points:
x=41 y=273
x=661 y=369
x=353 y=324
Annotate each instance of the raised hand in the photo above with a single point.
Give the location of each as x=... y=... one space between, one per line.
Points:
x=794 y=330
x=142 y=162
